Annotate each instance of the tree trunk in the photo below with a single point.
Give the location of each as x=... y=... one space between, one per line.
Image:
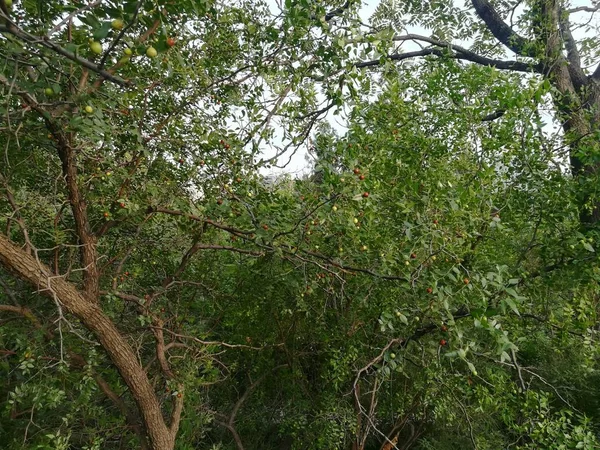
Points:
x=74 y=302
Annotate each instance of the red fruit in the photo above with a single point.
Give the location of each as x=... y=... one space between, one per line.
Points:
x=362 y=177
x=238 y=179
x=201 y=162
x=444 y=328
x=122 y=205
x=162 y=309
x=106 y=214
x=179 y=395
x=219 y=202
x=265 y=226
x=365 y=194
x=466 y=281
x=435 y=222
x=356 y=171
x=429 y=290
x=170 y=42
x=180 y=161
x=443 y=342
x=413 y=255
x=221 y=141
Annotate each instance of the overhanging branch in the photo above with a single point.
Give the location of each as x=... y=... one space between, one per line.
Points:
x=464 y=55
x=11 y=28
x=501 y=30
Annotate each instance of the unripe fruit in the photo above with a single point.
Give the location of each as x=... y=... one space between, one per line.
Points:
x=334 y=208
x=128 y=51
x=117 y=24
x=392 y=355
x=151 y=52
x=8 y=3
x=355 y=220
x=96 y=47
x=48 y=91
x=89 y=109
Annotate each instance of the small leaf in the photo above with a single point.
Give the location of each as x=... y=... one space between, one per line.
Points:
x=402 y=318
x=509 y=301
x=472 y=368
x=102 y=32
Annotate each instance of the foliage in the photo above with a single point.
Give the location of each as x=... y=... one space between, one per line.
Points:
x=430 y=285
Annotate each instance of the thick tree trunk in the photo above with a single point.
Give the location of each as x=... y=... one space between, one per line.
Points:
x=40 y=276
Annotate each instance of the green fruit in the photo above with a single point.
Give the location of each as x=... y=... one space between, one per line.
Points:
x=128 y=51
x=392 y=355
x=117 y=24
x=48 y=91
x=8 y=3
x=89 y=109
x=96 y=47
x=151 y=52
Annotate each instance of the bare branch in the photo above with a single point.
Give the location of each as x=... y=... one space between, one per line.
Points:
x=591 y=9
x=466 y=55
x=73 y=14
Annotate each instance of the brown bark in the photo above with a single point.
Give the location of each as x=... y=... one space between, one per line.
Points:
x=91 y=275
x=28 y=268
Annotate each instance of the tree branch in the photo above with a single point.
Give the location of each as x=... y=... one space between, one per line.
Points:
x=30 y=269
x=463 y=54
x=578 y=76
x=45 y=42
x=502 y=31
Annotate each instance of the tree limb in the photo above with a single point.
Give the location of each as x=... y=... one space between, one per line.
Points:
x=45 y=42
x=30 y=269
x=502 y=31
x=466 y=55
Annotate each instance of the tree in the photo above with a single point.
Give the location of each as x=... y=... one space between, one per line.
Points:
x=429 y=253
x=541 y=38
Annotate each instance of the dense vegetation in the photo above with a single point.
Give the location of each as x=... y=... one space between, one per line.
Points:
x=433 y=283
